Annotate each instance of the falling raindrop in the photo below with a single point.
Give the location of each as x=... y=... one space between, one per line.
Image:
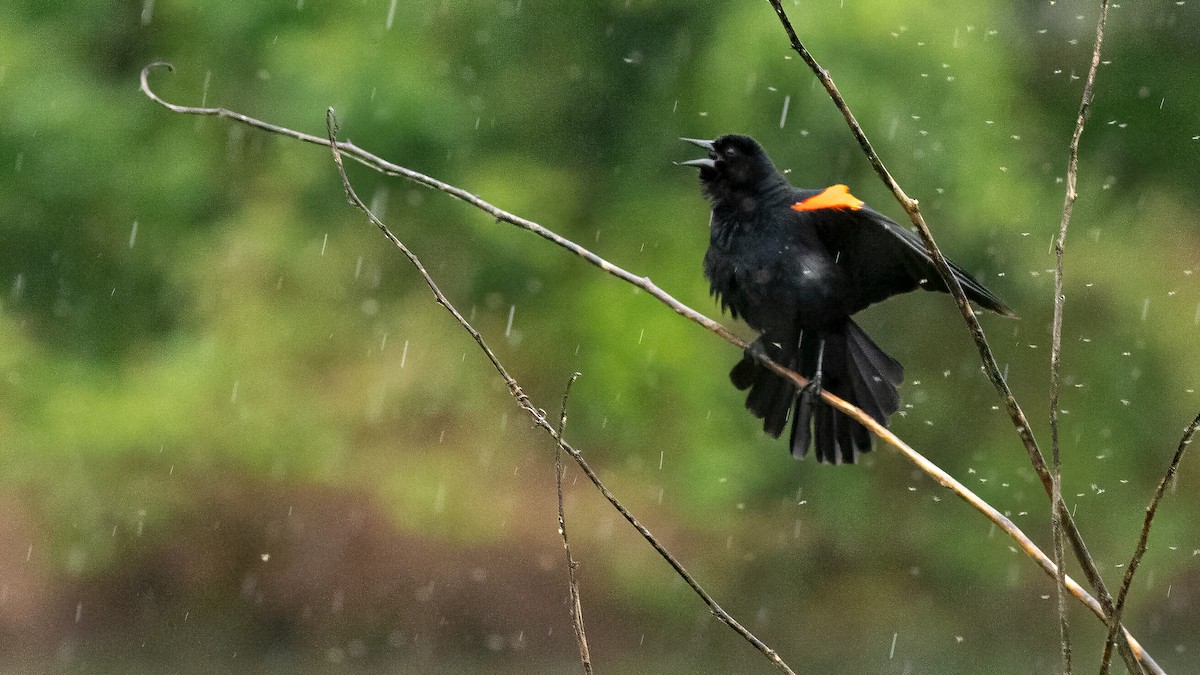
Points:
x=787 y=102
x=439 y=498
x=379 y=202
x=391 y=15
x=512 y=309
x=147 y=12
x=18 y=288
x=133 y=234
x=204 y=90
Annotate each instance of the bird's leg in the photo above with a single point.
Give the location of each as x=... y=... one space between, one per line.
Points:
x=813 y=388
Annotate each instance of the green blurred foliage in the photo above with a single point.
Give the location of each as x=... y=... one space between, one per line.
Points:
x=237 y=432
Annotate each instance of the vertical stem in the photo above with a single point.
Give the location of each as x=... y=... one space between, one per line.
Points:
x=1056 y=336
x=585 y=656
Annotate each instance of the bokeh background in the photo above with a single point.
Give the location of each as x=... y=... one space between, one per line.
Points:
x=237 y=434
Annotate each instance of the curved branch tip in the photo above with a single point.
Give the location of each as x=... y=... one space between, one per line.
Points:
x=145 y=82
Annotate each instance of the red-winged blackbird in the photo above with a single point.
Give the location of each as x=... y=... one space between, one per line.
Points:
x=795 y=264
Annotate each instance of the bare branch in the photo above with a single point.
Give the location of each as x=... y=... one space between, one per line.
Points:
x=1136 y=560
x=356 y=153
x=585 y=656
x=1056 y=347
x=539 y=416
x=990 y=366
x=220 y=112
x=644 y=283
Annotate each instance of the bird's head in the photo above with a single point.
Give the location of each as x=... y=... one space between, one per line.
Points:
x=735 y=164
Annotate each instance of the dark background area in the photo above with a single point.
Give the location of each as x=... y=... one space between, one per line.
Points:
x=236 y=433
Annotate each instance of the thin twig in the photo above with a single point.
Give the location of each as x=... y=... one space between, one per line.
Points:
x=1056 y=334
x=539 y=416
x=585 y=656
x=644 y=283
x=385 y=167
x=990 y=366
x=1151 y=510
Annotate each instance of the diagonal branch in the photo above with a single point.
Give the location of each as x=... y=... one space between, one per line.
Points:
x=912 y=209
x=362 y=156
x=991 y=368
x=538 y=415
x=1136 y=560
x=1056 y=344
x=385 y=167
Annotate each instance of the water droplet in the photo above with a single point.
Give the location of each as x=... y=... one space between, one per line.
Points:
x=18 y=287
x=391 y=16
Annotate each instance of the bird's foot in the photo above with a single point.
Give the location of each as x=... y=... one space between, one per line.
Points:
x=812 y=390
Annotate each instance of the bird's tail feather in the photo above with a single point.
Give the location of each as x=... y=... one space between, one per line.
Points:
x=770 y=396
x=853 y=368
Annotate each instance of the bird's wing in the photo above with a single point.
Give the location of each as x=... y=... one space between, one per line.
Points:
x=881 y=258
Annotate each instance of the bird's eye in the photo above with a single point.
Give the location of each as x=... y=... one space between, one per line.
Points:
x=730 y=151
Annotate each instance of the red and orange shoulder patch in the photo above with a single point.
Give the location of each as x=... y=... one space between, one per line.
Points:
x=832 y=197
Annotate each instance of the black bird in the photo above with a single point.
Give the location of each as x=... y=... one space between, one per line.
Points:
x=795 y=264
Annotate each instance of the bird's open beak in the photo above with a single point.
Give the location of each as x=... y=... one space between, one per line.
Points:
x=705 y=163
